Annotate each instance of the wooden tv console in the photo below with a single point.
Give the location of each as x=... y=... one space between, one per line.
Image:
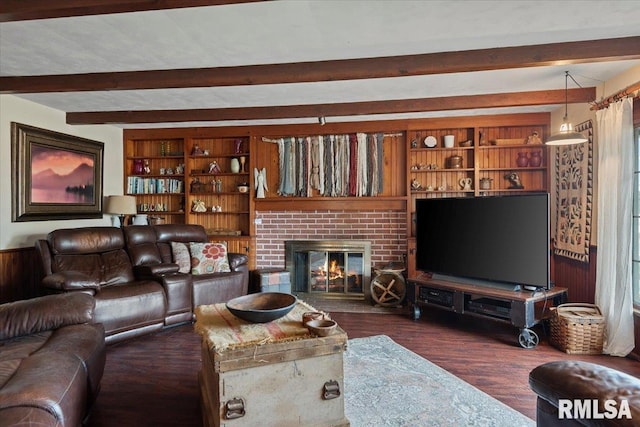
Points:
x=522 y=309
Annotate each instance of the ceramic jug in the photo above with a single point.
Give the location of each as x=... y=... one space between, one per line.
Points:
x=465 y=183
x=485 y=183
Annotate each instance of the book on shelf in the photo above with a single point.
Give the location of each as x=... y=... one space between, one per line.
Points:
x=141 y=185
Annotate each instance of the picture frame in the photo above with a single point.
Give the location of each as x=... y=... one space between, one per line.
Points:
x=54 y=176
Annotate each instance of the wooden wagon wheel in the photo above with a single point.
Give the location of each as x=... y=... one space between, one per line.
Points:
x=388 y=288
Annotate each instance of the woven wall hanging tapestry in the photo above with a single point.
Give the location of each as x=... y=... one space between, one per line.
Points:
x=574 y=196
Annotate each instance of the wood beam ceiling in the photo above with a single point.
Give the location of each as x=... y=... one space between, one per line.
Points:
x=319 y=71
x=25 y=10
x=346 y=69
x=495 y=100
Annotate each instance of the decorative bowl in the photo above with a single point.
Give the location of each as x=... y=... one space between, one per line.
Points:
x=243 y=188
x=262 y=307
x=321 y=327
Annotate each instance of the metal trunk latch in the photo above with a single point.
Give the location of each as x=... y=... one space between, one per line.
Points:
x=331 y=390
x=234 y=408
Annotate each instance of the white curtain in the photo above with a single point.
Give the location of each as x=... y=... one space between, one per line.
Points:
x=615 y=196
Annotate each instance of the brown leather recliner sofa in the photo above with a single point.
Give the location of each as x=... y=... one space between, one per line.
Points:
x=131 y=274
x=52 y=357
x=593 y=395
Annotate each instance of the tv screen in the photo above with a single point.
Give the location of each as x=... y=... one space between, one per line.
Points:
x=503 y=239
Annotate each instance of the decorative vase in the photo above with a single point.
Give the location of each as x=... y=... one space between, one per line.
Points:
x=536 y=159
x=522 y=160
x=235 y=165
x=138 y=167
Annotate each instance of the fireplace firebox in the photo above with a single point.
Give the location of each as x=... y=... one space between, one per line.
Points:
x=330 y=268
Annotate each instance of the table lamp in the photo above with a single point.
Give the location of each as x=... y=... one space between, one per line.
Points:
x=120 y=206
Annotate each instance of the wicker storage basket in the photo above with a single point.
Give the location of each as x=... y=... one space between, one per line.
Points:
x=577 y=328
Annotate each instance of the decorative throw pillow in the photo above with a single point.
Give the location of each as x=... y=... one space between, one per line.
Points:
x=181 y=256
x=209 y=258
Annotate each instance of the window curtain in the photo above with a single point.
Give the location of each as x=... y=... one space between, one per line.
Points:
x=615 y=196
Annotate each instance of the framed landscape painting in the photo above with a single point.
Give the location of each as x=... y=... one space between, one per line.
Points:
x=54 y=176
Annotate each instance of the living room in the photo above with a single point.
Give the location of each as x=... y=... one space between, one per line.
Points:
x=272 y=220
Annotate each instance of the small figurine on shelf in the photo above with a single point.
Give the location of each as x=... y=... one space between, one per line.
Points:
x=147 y=168
x=534 y=138
x=196 y=186
x=514 y=180
x=237 y=145
x=198 y=206
x=180 y=169
x=197 y=151
x=214 y=167
x=260 y=182
x=415 y=185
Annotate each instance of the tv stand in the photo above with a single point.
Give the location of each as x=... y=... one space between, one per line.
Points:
x=521 y=308
x=478 y=282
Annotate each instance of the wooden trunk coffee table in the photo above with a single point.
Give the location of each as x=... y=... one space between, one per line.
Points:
x=271 y=374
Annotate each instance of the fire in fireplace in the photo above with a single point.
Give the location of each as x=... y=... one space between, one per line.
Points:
x=335 y=268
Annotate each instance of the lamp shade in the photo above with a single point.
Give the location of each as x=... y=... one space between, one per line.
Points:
x=566 y=138
x=121 y=205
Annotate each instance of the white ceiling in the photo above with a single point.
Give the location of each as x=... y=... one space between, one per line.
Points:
x=293 y=31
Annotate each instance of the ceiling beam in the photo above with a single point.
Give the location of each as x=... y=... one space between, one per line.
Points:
x=25 y=10
x=495 y=100
x=345 y=69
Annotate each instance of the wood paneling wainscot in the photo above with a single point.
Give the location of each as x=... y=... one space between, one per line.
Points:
x=20 y=274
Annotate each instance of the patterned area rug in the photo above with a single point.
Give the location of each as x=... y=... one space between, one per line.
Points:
x=388 y=385
x=335 y=305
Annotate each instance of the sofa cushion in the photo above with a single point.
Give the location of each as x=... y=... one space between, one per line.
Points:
x=134 y=305
x=181 y=256
x=51 y=381
x=209 y=258
x=117 y=267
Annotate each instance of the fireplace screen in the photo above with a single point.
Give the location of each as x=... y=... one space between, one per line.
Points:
x=334 y=268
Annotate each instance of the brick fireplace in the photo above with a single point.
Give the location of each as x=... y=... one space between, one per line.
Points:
x=385 y=229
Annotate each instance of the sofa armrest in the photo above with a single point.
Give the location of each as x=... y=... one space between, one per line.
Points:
x=154 y=270
x=236 y=260
x=70 y=281
x=570 y=379
x=45 y=313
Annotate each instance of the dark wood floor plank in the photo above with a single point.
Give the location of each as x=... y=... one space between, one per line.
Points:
x=152 y=380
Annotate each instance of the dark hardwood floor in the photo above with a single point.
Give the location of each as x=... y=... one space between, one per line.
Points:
x=152 y=381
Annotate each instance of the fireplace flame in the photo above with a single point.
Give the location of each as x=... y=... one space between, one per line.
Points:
x=335 y=272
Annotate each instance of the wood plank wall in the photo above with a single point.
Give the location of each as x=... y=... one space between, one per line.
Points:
x=20 y=274
x=578 y=277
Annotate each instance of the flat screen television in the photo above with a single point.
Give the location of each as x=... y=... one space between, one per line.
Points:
x=502 y=240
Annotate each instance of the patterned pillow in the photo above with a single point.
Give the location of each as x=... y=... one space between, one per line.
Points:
x=181 y=256
x=209 y=258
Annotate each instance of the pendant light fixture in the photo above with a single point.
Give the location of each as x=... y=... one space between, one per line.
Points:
x=566 y=136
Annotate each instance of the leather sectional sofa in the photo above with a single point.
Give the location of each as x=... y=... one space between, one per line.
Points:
x=132 y=275
x=52 y=357
x=581 y=385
